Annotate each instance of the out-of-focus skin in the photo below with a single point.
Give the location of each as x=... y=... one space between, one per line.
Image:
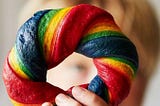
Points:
x=74 y=70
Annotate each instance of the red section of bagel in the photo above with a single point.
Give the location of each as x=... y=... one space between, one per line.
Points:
x=118 y=84
x=27 y=91
x=72 y=29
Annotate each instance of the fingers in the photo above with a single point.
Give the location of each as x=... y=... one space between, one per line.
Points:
x=64 y=100
x=87 y=98
x=82 y=97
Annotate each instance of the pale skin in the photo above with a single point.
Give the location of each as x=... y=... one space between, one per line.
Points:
x=83 y=98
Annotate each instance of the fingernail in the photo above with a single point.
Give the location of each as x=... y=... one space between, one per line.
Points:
x=60 y=98
x=78 y=91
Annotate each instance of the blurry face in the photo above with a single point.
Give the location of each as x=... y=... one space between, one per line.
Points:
x=74 y=70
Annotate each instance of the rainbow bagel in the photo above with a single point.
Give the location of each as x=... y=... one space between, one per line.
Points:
x=48 y=37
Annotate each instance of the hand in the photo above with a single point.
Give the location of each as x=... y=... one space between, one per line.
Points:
x=83 y=98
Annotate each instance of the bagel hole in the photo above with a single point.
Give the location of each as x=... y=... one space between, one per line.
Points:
x=75 y=70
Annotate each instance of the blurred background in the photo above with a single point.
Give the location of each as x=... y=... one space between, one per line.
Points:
x=9 y=13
